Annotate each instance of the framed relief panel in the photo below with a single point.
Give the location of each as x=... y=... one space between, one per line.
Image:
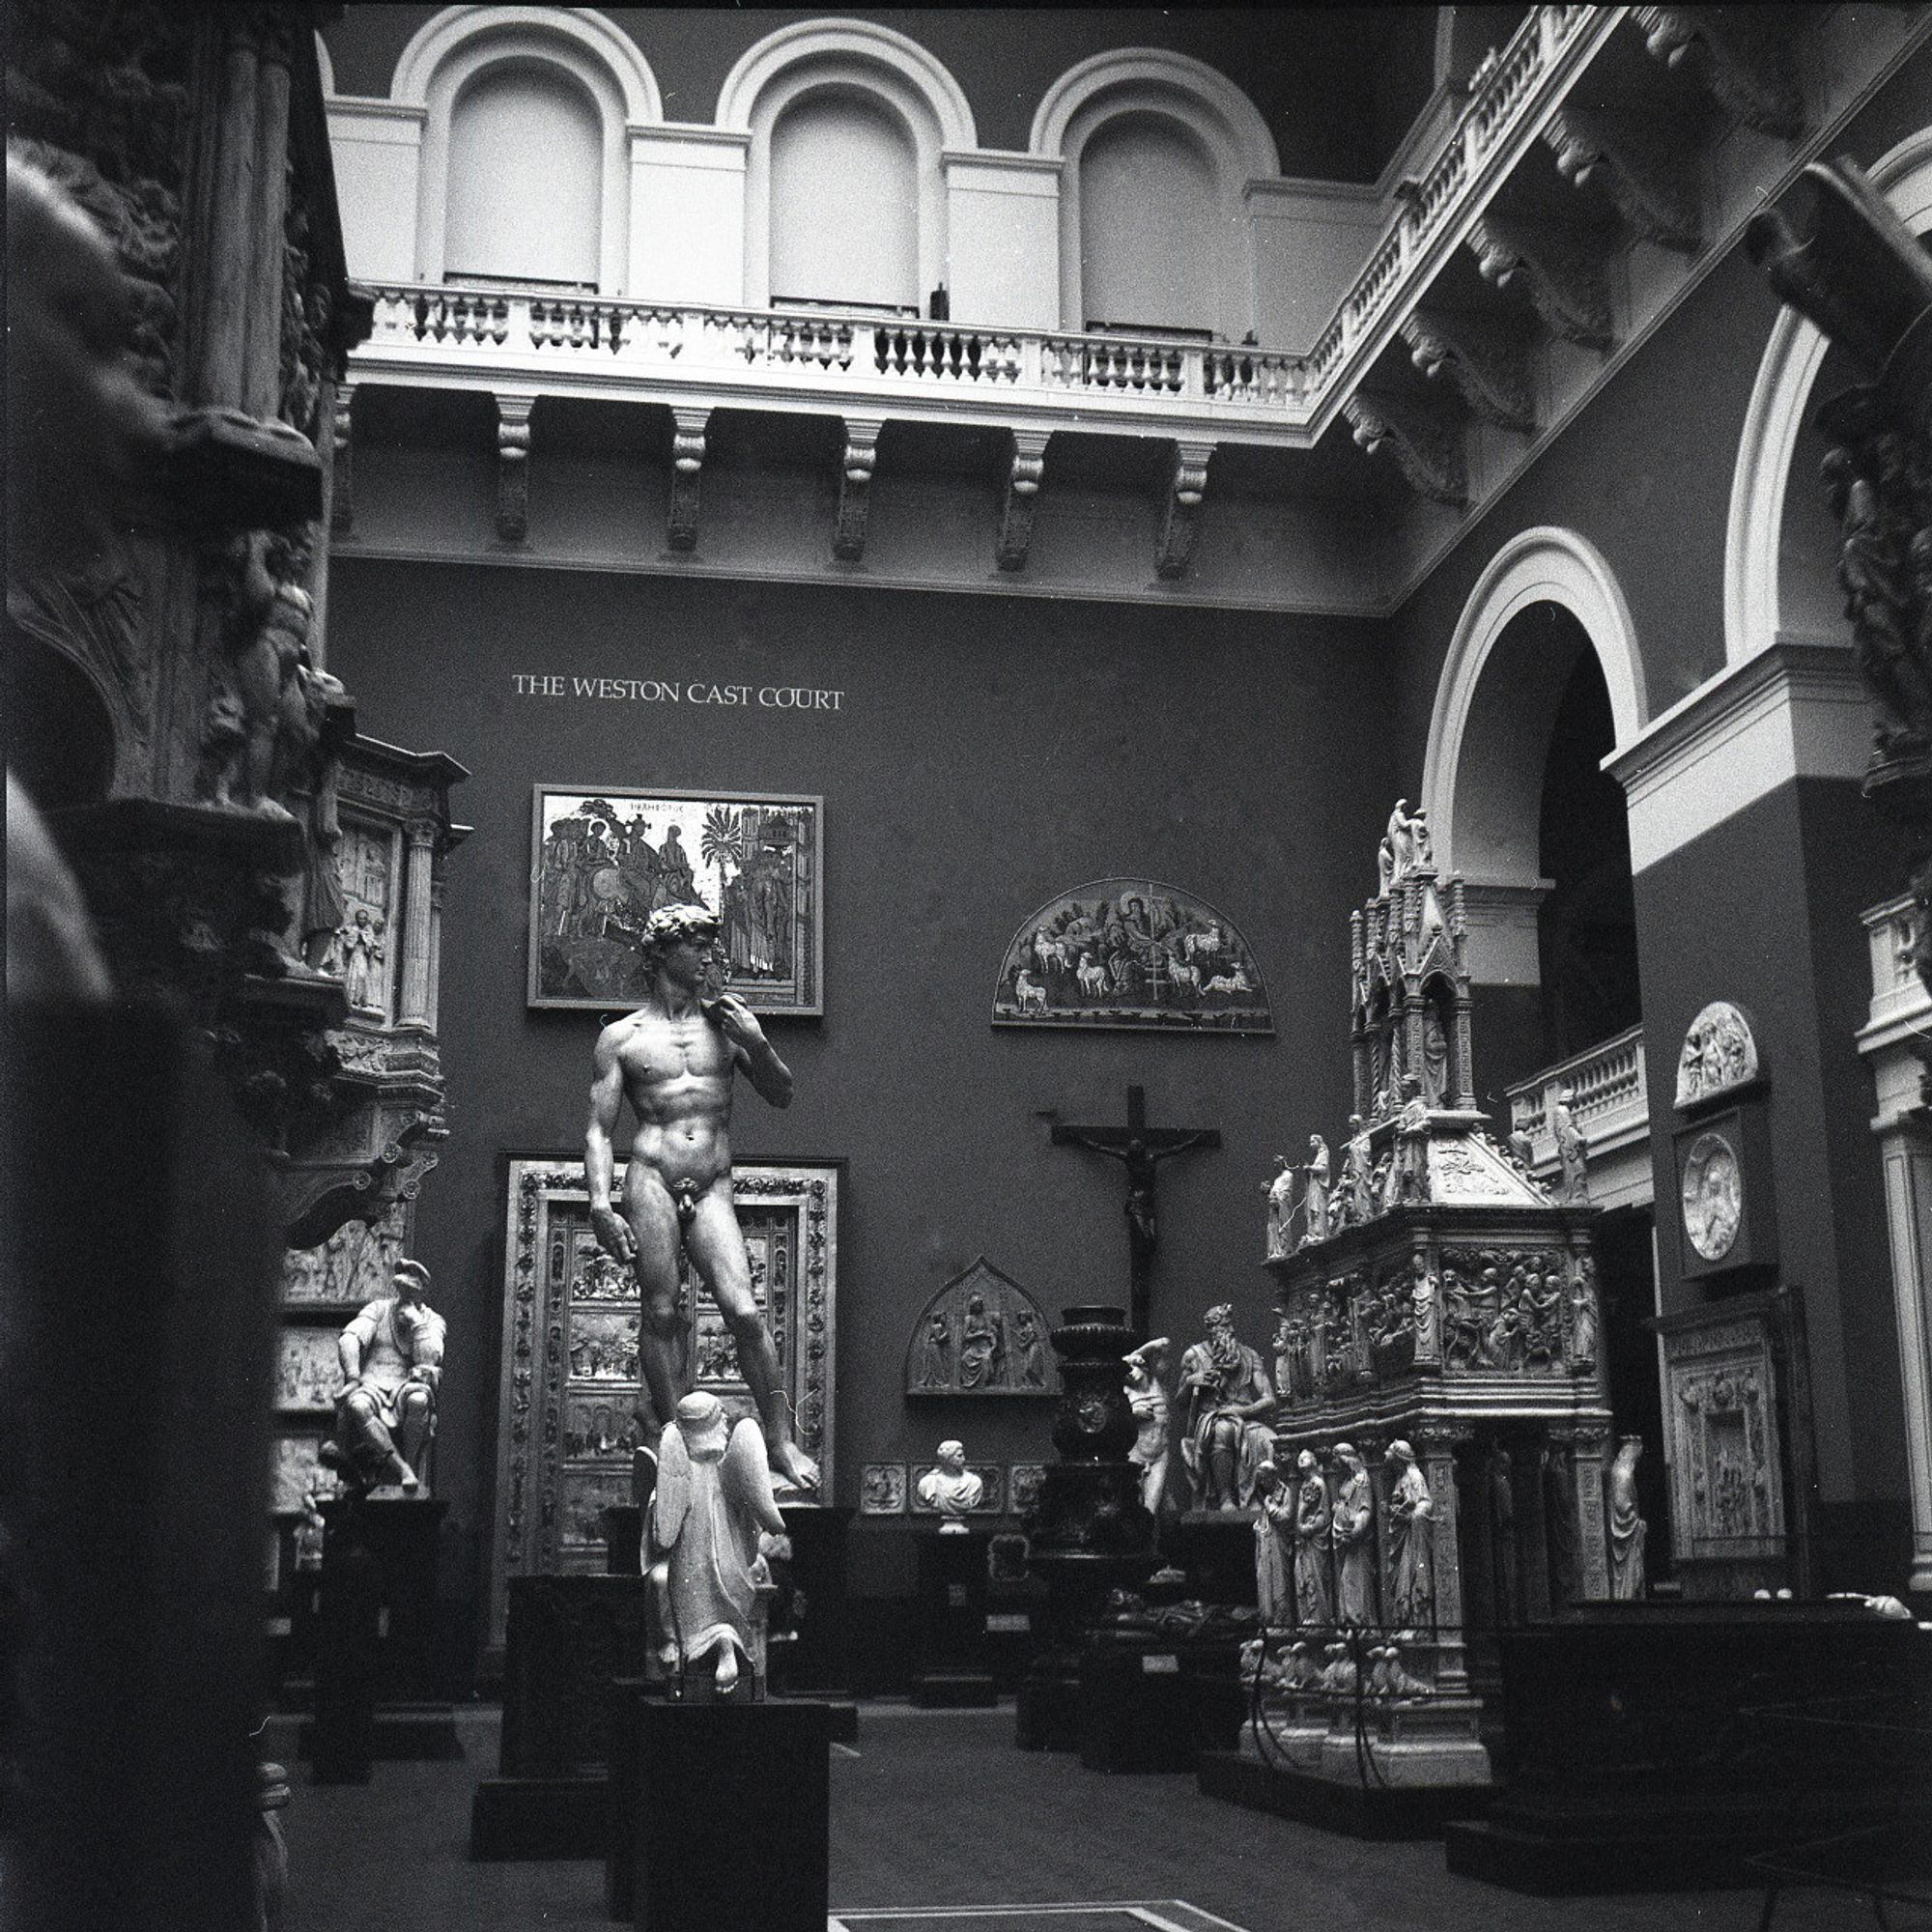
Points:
x=603 y=862
x=569 y=1401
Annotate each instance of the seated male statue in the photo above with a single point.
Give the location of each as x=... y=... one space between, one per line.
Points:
x=392 y=1365
x=676 y=1059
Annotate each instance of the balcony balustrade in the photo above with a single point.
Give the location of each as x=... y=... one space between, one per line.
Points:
x=548 y=342
x=1610 y=1101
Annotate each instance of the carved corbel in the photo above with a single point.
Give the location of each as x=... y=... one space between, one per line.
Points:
x=1744 y=64
x=855 y=488
x=1023 y=480
x=1427 y=443
x=513 y=466
x=1180 y=524
x=342 y=460
x=1654 y=197
x=687 y=462
x=1488 y=367
x=1566 y=283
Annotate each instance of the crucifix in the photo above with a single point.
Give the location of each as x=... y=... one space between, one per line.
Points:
x=1139 y=1148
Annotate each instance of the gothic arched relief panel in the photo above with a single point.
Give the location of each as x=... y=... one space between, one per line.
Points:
x=981 y=1334
x=1131 y=952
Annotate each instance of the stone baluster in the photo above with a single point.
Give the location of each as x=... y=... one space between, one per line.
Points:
x=418 y=924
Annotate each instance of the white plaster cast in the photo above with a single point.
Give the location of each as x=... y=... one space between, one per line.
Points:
x=1544 y=565
x=1779 y=402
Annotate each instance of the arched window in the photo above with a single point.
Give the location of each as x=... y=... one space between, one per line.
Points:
x=844 y=204
x=1149 y=227
x=526 y=180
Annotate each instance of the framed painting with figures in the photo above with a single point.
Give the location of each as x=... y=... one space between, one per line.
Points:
x=603 y=862
x=572 y=1409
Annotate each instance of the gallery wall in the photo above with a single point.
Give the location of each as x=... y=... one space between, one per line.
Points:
x=984 y=754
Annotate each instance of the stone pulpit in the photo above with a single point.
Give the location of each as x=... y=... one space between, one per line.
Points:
x=1441 y=1418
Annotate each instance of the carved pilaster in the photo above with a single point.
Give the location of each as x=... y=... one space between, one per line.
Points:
x=434 y=945
x=342 y=472
x=1564 y=279
x=262 y=385
x=1655 y=196
x=1427 y=443
x=855 y=488
x=1486 y=362
x=1587 y=1441
x=1024 y=476
x=513 y=466
x=1180 y=524
x=1435 y=1447
x=422 y=835
x=686 y=465
x=1745 y=64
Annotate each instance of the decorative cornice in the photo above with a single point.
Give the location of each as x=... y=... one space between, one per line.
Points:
x=1179 y=524
x=1484 y=360
x=1024 y=476
x=1746 y=67
x=687 y=462
x=513 y=466
x=1565 y=281
x=1657 y=198
x=1426 y=442
x=857 y=463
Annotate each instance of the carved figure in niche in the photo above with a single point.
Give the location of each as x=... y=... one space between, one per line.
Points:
x=267 y=644
x=363 y=953
x=1411 y=1535
x=676 y=1059
x=982 y=1347
x=1314 y=1574
x=1315 y=1198
x=712 y=1505
x=1029 y=1362
x=1435 y=1056
x=1559 y=1516
x=1425 y=1310
x=1584 y=1313
x=1154 y=1442
x=1274 y=1532
x=935 y=1354
x=1628 y=1529
x=1411 y=1178
x=1225 y=1389
x=1572 y=1153
x=1502 y=1533
x=1281 y=1206
x=391 y=1357
x=1353 y=1530
x=1360 y=1174
x=950 y=1488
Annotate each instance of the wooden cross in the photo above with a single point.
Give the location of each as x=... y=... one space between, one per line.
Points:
x=1139 y=1148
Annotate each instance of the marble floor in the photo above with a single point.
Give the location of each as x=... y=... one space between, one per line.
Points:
x=940 y=1825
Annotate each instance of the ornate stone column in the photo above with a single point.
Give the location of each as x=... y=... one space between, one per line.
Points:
x=418 y=924
x=1587 y=1443
x=261 y=366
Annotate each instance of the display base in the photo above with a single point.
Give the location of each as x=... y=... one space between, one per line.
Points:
x=1046 y=1712
x=954 y=1690
x=712 y=1779
x=1356 y=1810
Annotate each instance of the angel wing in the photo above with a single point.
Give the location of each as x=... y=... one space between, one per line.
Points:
x=672 y=1502
x=747 y=1477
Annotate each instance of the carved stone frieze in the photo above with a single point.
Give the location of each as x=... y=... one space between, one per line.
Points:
x=513 y=466
x=1656 y=195
x=1025 y=474
x=856 y=465
x=686 y=466
x=1487 y=361
x=1718 y=1055
x=1503 y=1308
x=1425 y=440
x=1744 y=62
x=1563 y=276
x=1180 y=518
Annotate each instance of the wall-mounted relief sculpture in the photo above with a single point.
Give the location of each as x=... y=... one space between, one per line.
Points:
x=1719 y=1053
x=1023 y=1486
x=883 y=1490
x=570 y=1394
x=603 y=862
x=308 y=1371
x=981 y=1334
x=1131 y=952
x=992 y=1498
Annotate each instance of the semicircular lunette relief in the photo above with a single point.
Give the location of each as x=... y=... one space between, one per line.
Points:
x=1131 y=952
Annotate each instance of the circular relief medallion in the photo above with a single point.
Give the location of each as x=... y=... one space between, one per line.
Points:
x=1714 y=1196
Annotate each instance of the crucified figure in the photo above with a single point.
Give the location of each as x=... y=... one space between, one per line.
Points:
x=676 y=1059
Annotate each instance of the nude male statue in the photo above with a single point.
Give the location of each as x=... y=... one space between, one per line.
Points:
x=674 y=1060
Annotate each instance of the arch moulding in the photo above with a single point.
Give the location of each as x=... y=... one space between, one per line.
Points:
x=581 y=27
x=1185 y=82
x=1545 y=565
x=1779 y=402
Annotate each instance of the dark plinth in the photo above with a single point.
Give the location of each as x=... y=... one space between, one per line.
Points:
x=1216 y=1548
x=1149 y=1703
x=1360 y=1810
x=952 y=1666
x=567 y=1640
x=341 y=1741
x=1660 y=1747
x=713 y=1778
x=815 y=1664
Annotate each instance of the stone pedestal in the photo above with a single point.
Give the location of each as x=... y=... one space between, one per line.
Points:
x=714 y=1779
x=1216 y=1548
x=815 y=1662
x=952 y=1666
x=1150 y=1704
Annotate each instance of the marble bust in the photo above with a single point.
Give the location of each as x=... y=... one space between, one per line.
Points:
x=951 y=1487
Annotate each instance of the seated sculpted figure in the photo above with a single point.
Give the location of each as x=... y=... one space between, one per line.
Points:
x=950 y=1488
x=1225 y=1436
x=392 y=1365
